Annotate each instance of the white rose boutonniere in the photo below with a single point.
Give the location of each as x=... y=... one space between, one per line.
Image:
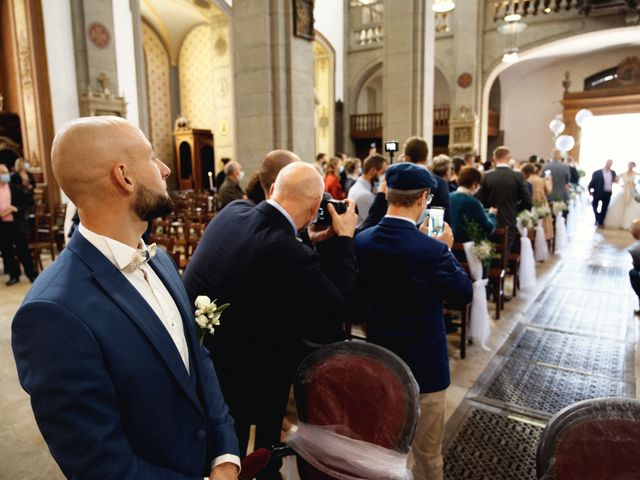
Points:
x=208 y=315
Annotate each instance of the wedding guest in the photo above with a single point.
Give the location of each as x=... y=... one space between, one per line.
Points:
x=416 y=151
x=321 y=158
x=466 y=209
x=15 y=203
x=575 y=175
x=254 y=191
x=281 y=297
x=332 y=180
x=560 y=176
x=362 y=192
x=506 y=190
x=220 y=178
x=21 y=171
x=469 y=159
x=351 y=167
x=457 y=165
x=441 y=167
x=634 y=251
x=540 y=190
x=600 y=187
x=231 y=189
x=105 y=342
x=417 y=273
x=273 y=162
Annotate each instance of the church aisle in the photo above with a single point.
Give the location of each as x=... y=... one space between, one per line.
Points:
x=575 y=341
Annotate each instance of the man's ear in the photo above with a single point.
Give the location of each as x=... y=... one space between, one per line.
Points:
x=271 y=189
x=121 y=178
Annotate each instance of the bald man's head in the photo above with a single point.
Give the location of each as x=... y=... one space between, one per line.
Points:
x=273 y=162
x=101 y=162
x=299 y=181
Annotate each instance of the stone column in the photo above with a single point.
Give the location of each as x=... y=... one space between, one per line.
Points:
x=94 y=19
x=467 y=51
x=143 y=104
x=273 y=74
x=409 y=50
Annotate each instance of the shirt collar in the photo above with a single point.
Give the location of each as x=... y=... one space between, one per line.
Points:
x=406 y=219
x=118 y=253
x=502 y=165
x=464 y=190
x=279 y=207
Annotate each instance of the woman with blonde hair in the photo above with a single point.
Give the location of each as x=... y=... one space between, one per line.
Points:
x=540 y=188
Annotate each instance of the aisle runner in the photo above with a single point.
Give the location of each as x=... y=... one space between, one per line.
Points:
x=577 y=343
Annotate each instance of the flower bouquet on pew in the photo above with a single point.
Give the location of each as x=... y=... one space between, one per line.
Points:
x=528 y=219
x=482 y=247
x=558 y=206
x=542 y=211
x=207 y=315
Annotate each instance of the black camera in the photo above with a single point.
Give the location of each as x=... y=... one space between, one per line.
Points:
x=391 y=146
x=324 y=217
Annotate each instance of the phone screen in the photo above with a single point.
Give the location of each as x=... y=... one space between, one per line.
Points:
x=436 y=221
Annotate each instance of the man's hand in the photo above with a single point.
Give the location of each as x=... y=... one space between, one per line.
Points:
x=344 y=225
x=493 y=210
x=319 y=234
x=424 y=226
x=224 y=471
x=447 y=235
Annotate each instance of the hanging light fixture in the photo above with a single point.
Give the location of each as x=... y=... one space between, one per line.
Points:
x=443 y=6
x=510 y=56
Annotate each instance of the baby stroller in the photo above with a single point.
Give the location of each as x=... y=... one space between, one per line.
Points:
x=357 y=407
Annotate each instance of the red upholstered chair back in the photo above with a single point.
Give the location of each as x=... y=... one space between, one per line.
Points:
x=366 y=392
x=593 y=439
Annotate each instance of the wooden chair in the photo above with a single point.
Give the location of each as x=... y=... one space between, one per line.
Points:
x=463 y=312
x=42 y=236
x=497 y=269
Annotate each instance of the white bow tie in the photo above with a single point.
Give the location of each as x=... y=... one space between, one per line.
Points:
x=140 y=258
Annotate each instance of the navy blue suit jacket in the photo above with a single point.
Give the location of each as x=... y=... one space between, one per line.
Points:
x=109 y=390
x=404 y=276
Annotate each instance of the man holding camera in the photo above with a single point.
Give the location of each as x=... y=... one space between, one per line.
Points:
x=282 y=300
x=417 y=273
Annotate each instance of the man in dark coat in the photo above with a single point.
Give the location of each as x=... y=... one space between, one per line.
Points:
x=404 y=276
x=506 y=190
x=282 y=300
x=600 y=187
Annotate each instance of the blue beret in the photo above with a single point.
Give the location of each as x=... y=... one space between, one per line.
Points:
x=409 y=178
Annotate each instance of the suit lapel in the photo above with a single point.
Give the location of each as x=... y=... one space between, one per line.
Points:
x=116 y=286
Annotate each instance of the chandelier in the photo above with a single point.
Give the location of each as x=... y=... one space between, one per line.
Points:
x=442 y=6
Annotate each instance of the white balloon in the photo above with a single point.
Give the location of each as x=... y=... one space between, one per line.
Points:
x=556 y=126
x=564 y=143
x=582 y=115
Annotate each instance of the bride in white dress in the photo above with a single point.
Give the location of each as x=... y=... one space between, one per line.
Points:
x=623 y=208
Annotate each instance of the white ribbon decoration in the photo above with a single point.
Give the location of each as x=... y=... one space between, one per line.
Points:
x=541 y=247
x=346 y=458
x=561 y=232
x=479 y=324
x=527 y=270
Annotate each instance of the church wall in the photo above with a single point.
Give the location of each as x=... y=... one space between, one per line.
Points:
x=125 y=58
x=328 y=18
x=531 y=95
x=157 y=60
x=61 y=62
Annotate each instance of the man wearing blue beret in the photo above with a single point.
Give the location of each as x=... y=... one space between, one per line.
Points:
x=417 y=273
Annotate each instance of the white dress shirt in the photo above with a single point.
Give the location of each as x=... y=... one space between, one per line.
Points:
x=151 y=288
x=608 y=180
x=362 y=193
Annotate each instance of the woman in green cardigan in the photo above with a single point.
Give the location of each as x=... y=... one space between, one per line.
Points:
x=465 y=208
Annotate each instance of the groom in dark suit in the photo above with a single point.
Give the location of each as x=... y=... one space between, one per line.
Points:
x=600 y=188
x=105 y=341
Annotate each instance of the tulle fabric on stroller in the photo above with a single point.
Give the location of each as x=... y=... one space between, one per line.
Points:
x=357 y=408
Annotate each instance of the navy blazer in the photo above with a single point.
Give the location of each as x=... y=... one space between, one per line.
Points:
x=109 y=390
x=404 y=276
x=596 y=185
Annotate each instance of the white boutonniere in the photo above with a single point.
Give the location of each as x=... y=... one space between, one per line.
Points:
x=208 y=315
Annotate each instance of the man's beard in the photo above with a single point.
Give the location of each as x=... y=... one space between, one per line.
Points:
x=149 y=205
